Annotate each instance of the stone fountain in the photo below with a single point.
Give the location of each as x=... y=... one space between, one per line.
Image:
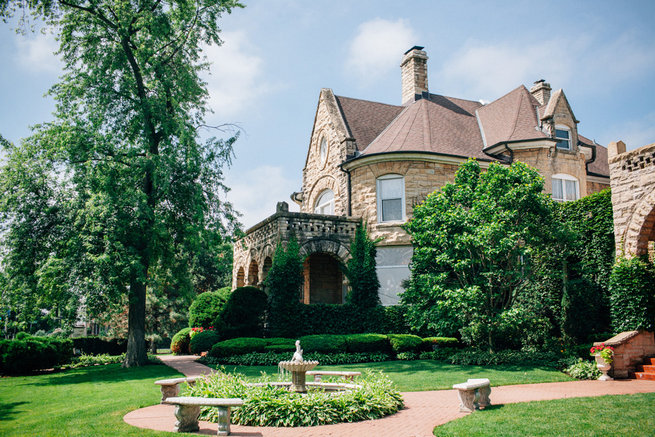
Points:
x=297 y=366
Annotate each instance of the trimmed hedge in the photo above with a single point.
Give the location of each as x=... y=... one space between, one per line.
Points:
x=180 y=342
x=430 y=343
x=367 y=343
x=97 y=345
x=273 y=358
x=203 y=341
x=238 y=346
x=405 y=343
x=632 y=295
x=243 y=314
x=28 y=354
x=323 y=343
x=319 y=318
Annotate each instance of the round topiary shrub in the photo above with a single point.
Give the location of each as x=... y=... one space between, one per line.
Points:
x=276 y=406
x=405 y=342
x=238 y=346
x=206 y=307
x=203 y=341
x=243 y=314
x=180 y=342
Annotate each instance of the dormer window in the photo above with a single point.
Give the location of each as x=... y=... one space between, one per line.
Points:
x=563 y=137
x=565 y=188
x=325 y=203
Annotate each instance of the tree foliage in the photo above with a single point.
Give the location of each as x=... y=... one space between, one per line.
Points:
x=472 y=245
x=361 y=273
x=123 y=187
x=632 y=291
x=284 y=286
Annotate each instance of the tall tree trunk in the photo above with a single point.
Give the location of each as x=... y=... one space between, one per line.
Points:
x=136 y=326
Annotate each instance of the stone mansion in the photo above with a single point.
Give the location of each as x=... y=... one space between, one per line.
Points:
x=373 y=162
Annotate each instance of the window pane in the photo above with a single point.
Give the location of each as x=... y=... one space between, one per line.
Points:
x=557 y=189
x=560 y=133
x=391 y=188
x=571 y=190
x=391 y=210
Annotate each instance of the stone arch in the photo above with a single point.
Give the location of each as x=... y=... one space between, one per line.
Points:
x=325 y=245
x=253 y=273
x=323 y=280
x=241 y=277
x=324 y=183
x=641 y=227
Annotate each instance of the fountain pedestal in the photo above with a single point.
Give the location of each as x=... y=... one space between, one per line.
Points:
x=298 y=373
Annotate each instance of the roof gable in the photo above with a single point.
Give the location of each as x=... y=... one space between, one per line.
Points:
x=558 y=99
x=365 y=119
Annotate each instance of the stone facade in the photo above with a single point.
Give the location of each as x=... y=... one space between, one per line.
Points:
x=630 y=349
x=633 y=198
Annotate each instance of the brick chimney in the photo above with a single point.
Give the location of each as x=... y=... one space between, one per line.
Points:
x=541 y=91
x=414 y=73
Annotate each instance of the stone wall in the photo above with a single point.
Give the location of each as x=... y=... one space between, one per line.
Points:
x=554 y=161
x=630 y=349
x=633 y=197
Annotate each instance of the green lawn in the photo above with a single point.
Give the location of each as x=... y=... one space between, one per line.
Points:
x=627 y=415
x=89 y=401
x=432 y=375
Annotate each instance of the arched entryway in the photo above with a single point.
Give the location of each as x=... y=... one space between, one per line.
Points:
x=253 y=273
x=268 y=263
x=241 y=277
x=323 y=279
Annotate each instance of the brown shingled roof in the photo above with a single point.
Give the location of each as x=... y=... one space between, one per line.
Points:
x=512 y=117
x=435 y=124
x=364 y=119
x=600 y=166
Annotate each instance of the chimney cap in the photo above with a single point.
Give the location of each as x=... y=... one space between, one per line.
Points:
x=539 y=81
x=414 y=48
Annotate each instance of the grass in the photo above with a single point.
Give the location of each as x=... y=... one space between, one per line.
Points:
x=625 y=415
x=432 y=375
x=89 y=401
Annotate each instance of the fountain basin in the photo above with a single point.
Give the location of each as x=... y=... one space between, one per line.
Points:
x=298 y=370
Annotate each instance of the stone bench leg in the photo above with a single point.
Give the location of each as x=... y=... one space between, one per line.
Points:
x=483 y=397
x=317 y=378
x=223 y=420
x=187 y=418
x=466 y=401
x=169 y=391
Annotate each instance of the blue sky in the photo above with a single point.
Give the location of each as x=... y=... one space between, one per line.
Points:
x=278 y=54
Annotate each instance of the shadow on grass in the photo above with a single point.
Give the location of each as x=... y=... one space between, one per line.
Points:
x=8 y=409
x=106 y=373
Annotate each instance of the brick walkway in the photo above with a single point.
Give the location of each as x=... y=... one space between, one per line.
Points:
x=423 y=410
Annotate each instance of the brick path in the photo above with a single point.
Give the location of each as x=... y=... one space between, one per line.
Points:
x=423 y=410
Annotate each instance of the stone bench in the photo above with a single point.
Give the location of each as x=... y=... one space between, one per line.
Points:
x=170 y=387
x=473 y=394
x=318 y=373
x=187 y=410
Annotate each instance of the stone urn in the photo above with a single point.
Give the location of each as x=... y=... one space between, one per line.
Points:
x=604 y=367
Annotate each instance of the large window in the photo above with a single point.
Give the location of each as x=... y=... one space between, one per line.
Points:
x=325 y=203
x=391 y=198
x=563 y=137
x=565 y=188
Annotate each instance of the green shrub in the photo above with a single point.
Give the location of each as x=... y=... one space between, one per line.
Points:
x=632 y=295
x=203 y=341
x=180 y=342
x=439 y=354
x=431 y=343
x=407 y=356
x=28 y=354
x=279 y=344
x=206 y=307
x=273 y=358
x=238 y=346
x=486 y=358
x=405 y=342
x=243 y=314
x=367 y=343
x=284 y=285
x=323 y=343
x=583 y=370
x=275 y=406
x=97 y=345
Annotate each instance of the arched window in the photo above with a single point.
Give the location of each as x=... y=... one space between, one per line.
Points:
x=391 y=198
x=323 y=150
x=563 y=137
x=325 y=203
x=565 y=188
x=241 y=281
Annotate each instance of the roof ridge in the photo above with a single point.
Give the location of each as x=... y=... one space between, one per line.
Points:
x=370 y=101
x=386 y=128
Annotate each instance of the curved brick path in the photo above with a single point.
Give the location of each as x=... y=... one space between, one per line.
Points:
x=423 y=410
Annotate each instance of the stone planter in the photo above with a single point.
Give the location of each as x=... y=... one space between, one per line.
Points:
x=603 y=367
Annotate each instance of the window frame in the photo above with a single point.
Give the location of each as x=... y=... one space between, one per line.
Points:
x=323 y=157
x=564 y=177
x=379 y=199
x=322 y=205
x=569 y=140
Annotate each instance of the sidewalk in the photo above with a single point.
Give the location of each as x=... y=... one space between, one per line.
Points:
x=423 y=410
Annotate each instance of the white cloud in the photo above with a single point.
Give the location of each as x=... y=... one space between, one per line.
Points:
x=375 y=48
x=483 y=70
x=255 y=193
x=36 y=53
x=236 y=75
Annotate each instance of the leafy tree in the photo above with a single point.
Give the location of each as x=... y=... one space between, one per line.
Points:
x=361 y=273
x=284 y=284
x=138 y=187
x=243 y=314
x=472 y=245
